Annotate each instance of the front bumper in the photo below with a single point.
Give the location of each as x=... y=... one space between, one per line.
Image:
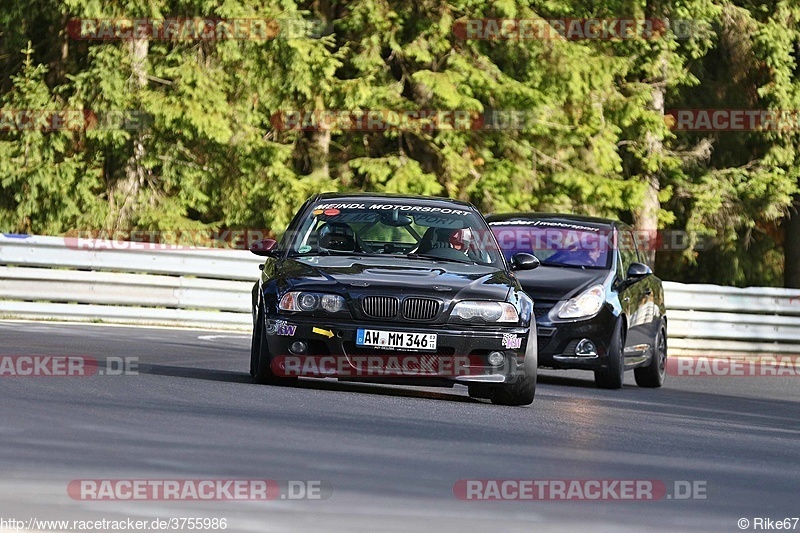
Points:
x=334 y=343
x=558 y=340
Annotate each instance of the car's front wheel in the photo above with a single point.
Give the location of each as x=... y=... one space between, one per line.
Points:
x=523 y=390
x=255 y=344
x=260 y=358
x=653 y=374
x=613 y=375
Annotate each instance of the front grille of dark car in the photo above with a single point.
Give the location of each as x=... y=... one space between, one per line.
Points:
x=380 y=306
x=420 y=308
x=541 y=309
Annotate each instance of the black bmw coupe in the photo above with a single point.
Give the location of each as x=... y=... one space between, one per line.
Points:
x=598 y=306
x=394 y=289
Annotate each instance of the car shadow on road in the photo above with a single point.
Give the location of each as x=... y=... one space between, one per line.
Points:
x=550 y=379
x=227 y=376
x=208 y=374
x=382 y=390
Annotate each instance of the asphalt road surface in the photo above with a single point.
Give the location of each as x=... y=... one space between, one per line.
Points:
x=386 y=458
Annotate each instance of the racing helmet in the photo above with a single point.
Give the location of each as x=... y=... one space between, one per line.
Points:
x=336 y=236
x=462 y=239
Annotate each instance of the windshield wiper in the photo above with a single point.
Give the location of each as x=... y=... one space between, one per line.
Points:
x=565 y=265
x=322 y=252
x=336 y=252
x=438 y=258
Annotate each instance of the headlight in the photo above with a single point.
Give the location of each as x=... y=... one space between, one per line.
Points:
x=485 y=312
x=586 y=304
x=311 y=301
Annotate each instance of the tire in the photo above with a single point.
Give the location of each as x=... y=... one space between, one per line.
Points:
x=479 y=391
x=260 y=358
x=255 y=343
x=523 y=390
x=652 y=375
x=613 y=376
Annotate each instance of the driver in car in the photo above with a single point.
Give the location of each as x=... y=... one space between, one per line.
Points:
x=443 y=242
x=439 y=238
x=579 y=256
x=336 y=236
x=590 y=257
x=461 y=240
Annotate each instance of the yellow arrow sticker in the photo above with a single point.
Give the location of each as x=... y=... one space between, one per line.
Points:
x=328 y=333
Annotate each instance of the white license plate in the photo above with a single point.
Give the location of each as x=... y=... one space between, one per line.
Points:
x=396 y=339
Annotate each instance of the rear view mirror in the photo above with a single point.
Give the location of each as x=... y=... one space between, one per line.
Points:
x=263 y=247
x=523 y=261
x=395 y=219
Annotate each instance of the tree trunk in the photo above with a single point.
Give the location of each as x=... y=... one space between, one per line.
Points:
x=319 y=152
x=791 y=246
x=320 y=149
x=646 y=216
x=128 y=186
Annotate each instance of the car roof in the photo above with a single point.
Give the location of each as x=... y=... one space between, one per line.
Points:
x=342 y=196
x=559 y=218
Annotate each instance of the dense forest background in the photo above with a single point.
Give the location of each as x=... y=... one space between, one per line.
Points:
x=199 y=150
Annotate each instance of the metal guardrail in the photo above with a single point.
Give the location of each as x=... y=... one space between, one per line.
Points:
x=122 y=256
x=117 y=281
x=715 y=320
x=112 y=281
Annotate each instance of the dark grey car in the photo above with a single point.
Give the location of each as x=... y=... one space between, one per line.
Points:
x=598 y=306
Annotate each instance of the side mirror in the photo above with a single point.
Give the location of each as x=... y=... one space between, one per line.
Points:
x=523 y=261
x=263 y=247
x=638 y=271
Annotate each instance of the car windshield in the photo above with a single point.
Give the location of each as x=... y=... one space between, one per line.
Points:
x=556 y=244
x=448 y=233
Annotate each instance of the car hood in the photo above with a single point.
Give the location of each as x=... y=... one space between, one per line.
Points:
x=559 y=283
x=398 y=276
